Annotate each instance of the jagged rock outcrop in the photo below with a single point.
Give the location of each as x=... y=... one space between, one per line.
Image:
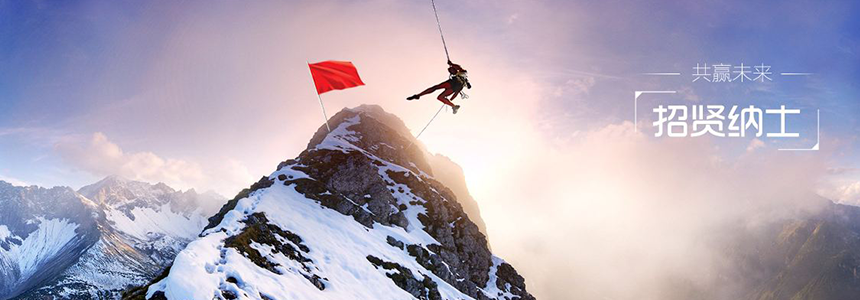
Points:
x=94 y=243
x=42 y=233
x=358 y=213
x=451 y=175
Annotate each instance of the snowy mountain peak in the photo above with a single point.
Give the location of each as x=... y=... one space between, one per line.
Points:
x=58 y=244
x=42 y=231
x=383 y=135
x=357 y=215
x=115 y=191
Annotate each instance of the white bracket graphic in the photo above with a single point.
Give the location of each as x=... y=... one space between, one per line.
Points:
x=817 y=134
x=636 y=105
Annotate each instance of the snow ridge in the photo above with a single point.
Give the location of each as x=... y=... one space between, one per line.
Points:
x=356 y=216
x=58 y=243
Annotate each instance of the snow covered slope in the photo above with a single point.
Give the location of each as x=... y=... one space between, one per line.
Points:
x=358 y=215
x=94 y=243
x=152 y=218
x=42 y=232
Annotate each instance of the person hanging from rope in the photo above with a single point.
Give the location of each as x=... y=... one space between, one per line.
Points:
x=452 y=87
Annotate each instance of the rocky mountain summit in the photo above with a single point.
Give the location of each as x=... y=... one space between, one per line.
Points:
x=359 y=214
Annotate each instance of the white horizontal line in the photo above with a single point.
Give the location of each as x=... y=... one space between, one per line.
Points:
x=654 y=92
x=795 y=74
x=662 y=74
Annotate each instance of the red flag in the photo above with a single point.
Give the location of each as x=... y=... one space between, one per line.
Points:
x=334 y=75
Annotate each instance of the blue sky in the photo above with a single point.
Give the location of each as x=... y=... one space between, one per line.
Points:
x=80 y=67
x=212 y=95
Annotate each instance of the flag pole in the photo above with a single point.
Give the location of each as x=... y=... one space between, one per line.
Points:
x=324 y=114
x=325 y=117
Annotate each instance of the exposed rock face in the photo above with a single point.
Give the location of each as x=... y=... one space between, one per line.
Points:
x=368 y=169
x=451 y=175
x=355 y=174
x=61 y=244
x=462 y=255
x=42 y=233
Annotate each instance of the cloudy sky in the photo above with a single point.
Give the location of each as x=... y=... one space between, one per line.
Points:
x=211 y=95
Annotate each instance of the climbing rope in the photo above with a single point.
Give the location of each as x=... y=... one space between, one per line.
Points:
x=444 y=45
x=431 y=121
x=439 y=25
x=425 y=126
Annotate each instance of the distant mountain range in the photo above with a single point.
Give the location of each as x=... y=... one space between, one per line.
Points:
x=94 y=242
x=812 y=255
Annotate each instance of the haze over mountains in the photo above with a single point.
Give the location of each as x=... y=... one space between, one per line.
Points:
x=366 y=213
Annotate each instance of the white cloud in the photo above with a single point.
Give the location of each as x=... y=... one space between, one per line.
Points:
x=614 y=203
x=101 y=157
x=688 y=94
x=513 y=18
x=842 y=191
x=13 y=181
x=755 y=144
x=841 y=170
x=575 y=87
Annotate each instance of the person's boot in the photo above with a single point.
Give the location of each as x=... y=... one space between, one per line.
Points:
x=413 y=97
x=456 y=108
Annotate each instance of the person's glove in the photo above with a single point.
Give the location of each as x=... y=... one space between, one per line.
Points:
x=449 y=62
x=468 y=85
